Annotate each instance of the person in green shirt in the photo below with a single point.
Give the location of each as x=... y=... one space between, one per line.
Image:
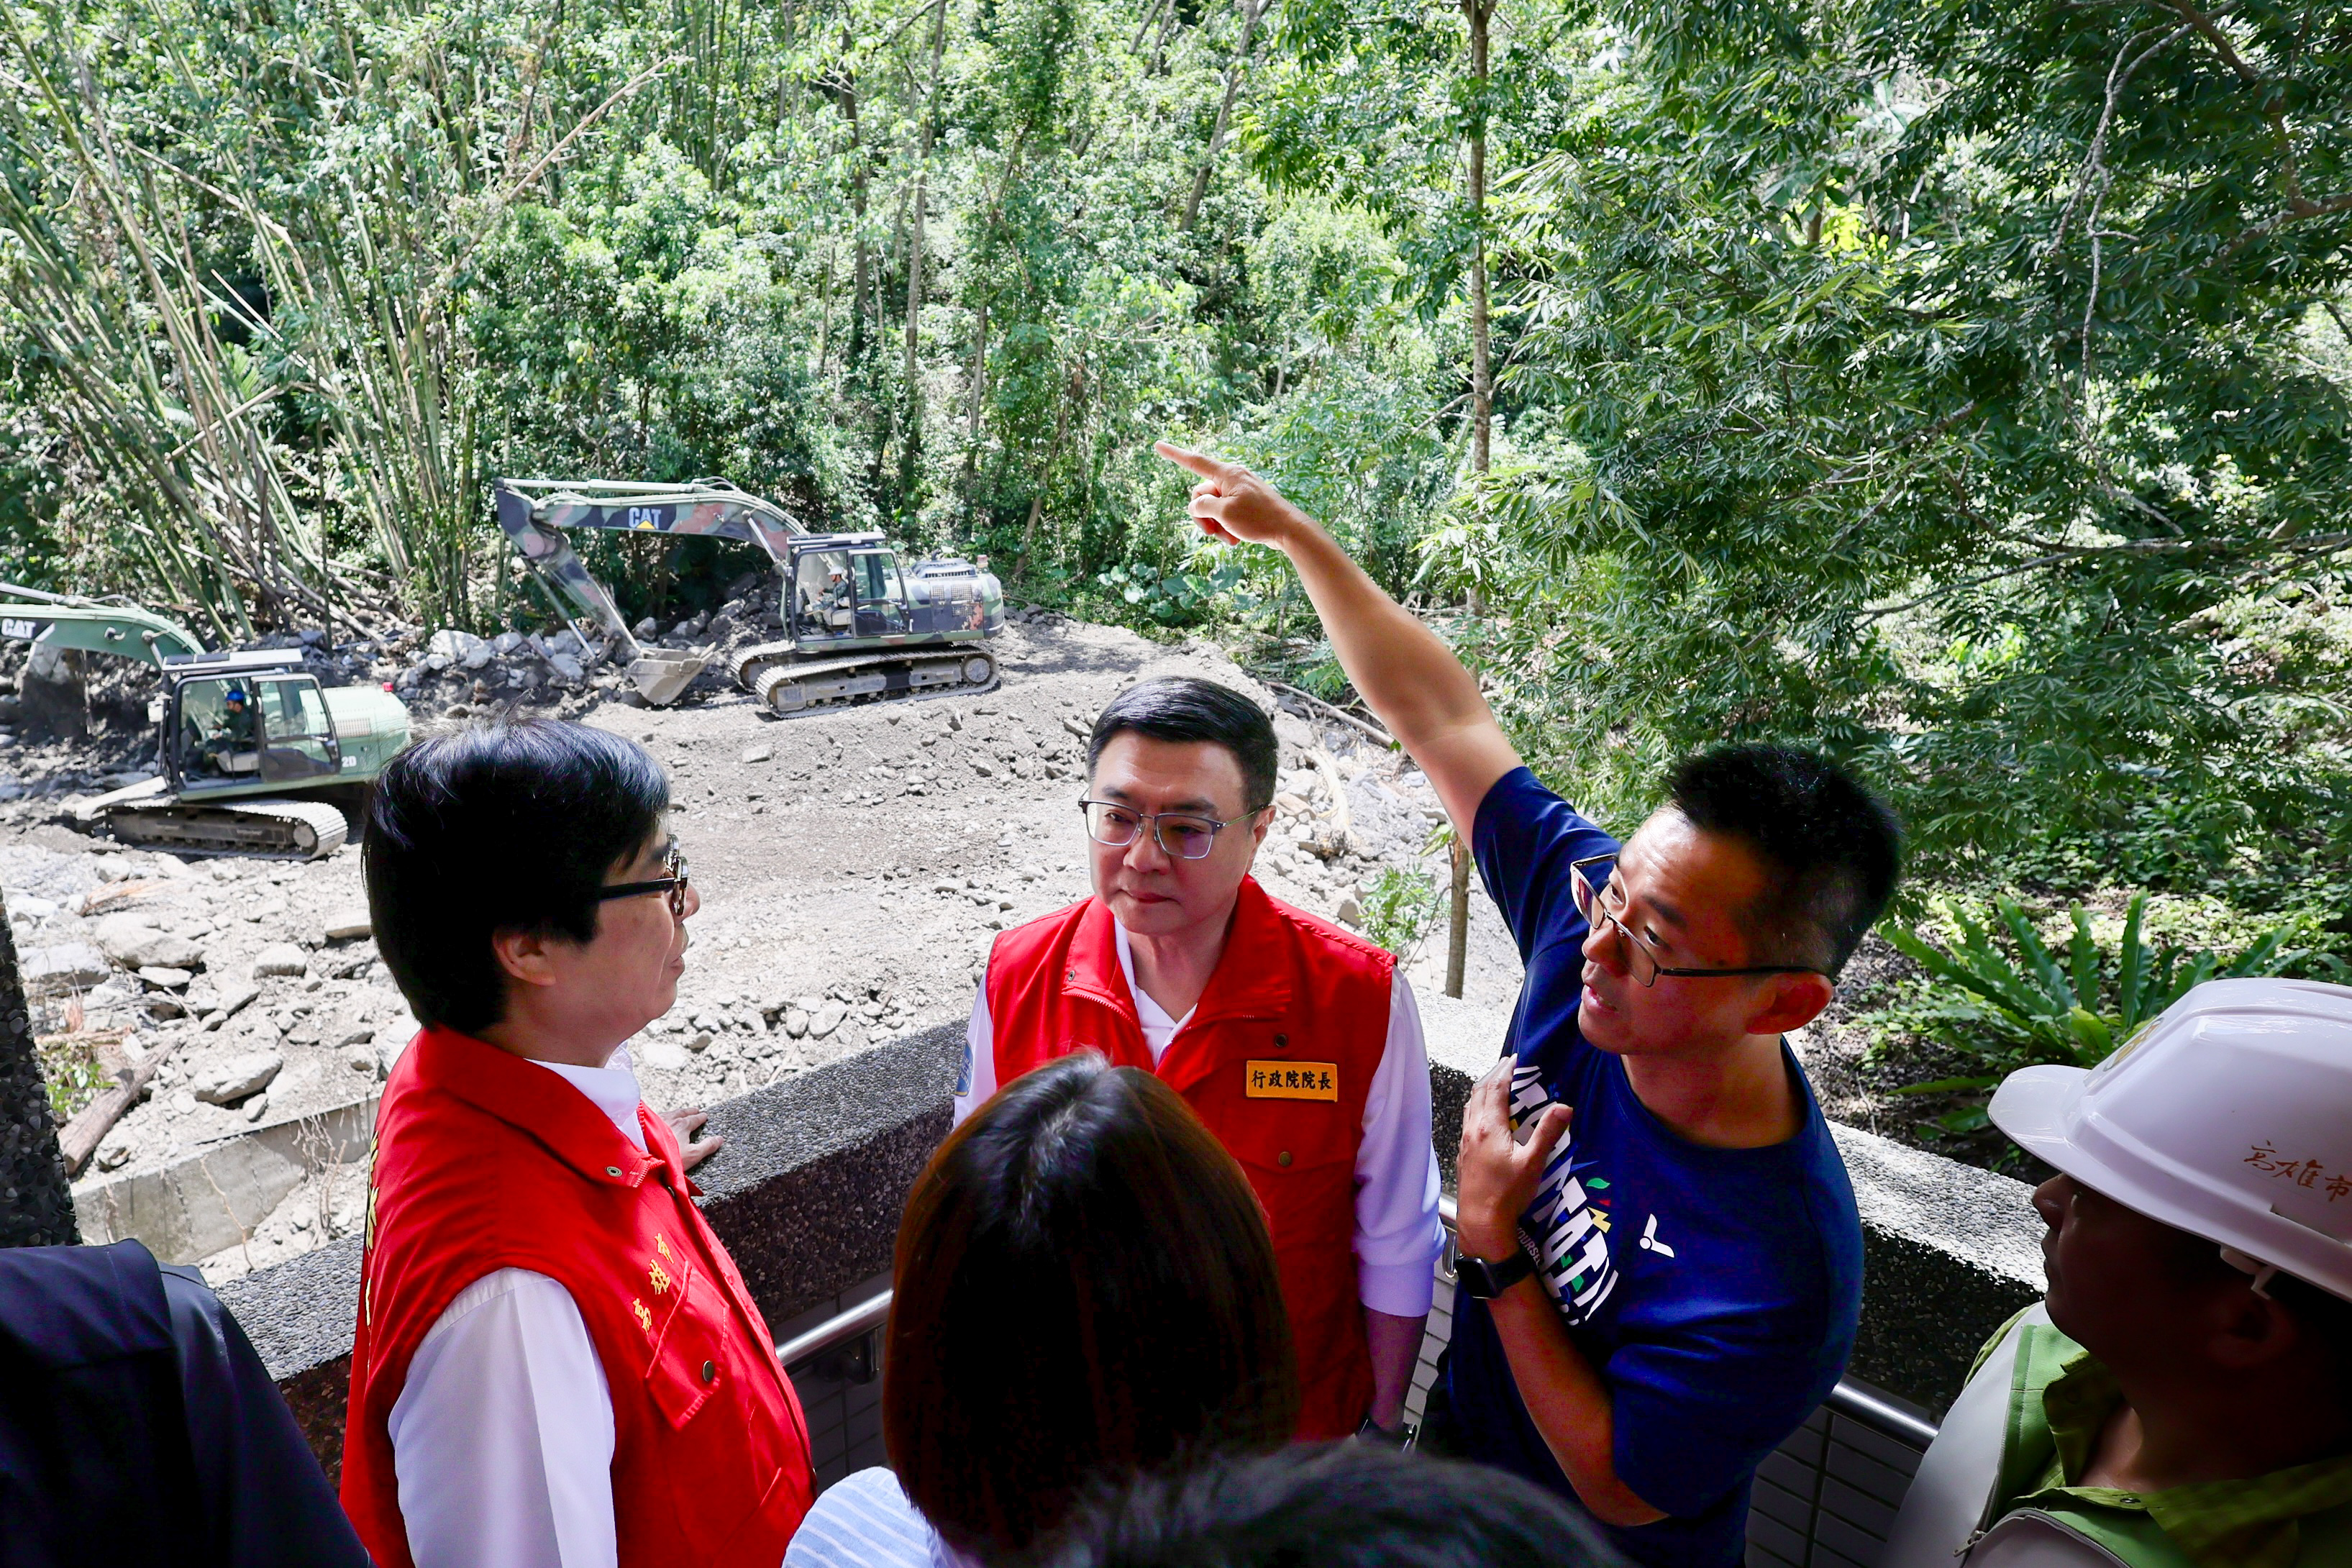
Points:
x=2182 y=1396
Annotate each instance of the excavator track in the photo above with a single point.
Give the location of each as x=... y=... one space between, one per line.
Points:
x=795 y=690
x=300 y=829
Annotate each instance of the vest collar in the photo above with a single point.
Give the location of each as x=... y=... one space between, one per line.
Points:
x=561 y=1117
x=1251 y=978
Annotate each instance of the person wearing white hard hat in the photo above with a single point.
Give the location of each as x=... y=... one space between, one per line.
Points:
x=2182 y=1397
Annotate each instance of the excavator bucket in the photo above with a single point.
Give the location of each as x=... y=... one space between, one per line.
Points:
x=659 y=674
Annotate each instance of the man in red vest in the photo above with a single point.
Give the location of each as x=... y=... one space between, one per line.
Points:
x=557 y=1364
x=1297 y=1041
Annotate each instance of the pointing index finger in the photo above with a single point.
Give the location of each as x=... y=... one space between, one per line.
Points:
x=1200 y=463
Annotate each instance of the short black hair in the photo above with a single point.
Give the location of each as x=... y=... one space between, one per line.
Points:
x=1084 y=1287
x=1835 y=847
x=1339 y=1505
x=498 y=825
x=1184 y=708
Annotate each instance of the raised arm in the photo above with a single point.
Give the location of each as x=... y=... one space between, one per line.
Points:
x=1405 y=674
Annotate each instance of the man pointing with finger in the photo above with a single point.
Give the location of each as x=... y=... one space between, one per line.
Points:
x=1661 y=1281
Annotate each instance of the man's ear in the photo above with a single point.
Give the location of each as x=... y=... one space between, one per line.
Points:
x=524 y=956
x=2249 y=1330
x=1791 y=1002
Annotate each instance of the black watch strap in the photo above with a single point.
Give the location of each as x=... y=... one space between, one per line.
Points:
x=1488 y=1280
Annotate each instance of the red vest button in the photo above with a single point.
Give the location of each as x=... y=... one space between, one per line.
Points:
x=1282 y=1159
x=710 y=1372
x=613 y=1171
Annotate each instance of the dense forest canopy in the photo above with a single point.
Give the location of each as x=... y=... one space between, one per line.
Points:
x=1958 y=385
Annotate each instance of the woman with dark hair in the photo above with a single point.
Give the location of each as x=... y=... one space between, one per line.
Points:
x=557 y=1364
x=1085 y=1289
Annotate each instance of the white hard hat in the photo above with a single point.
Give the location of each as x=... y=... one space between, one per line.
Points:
x=2228 y=1117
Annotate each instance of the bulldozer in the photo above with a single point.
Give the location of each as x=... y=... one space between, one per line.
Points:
x=256 y=757
x=859 y=627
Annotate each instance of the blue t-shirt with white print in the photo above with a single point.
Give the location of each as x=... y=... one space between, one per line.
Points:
x=1716 y=1290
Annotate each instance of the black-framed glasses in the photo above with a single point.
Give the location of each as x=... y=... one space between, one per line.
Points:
x=673 y=862
x=1186 y=835
x=1593 y=881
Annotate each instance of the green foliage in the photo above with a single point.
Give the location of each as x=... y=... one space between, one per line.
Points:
x=1401 y=907
x=2002 y=997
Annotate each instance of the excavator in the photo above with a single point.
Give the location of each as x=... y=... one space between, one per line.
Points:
x=858 y=627
x=257 y=758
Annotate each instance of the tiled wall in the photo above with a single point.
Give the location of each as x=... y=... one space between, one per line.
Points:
x=840 y=1389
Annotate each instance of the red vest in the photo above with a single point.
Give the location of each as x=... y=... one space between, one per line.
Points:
x=483 y=1161
x=1278 y=1059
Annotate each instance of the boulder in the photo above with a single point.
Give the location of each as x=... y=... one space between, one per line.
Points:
x=507 y=642
x=567 y=668
x=167 y=978
x=281 y=957
x=232 y=1079
x=797 y=1023
x=63 y=967
x=456 y=648
x=132 y=942
x=827 y=1020
x=345 y=925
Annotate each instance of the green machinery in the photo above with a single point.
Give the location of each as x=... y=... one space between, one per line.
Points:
x=256 y=756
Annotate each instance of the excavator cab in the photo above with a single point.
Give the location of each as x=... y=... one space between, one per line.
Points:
x=264 y=728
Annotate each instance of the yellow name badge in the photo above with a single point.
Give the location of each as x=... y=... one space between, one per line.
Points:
x=1293 y=1081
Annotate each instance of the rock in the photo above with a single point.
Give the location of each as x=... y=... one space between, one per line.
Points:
x=649 y=627
x=507 y=642
x=797 y=1023
x=454 y=646
x=113 y=1154
x=346 y=924
x=1350 y=911
x=360 y=1059
x=1074 y=728
x=983 y=770
x=231 y=1078
x=759 y=753
x=1289 y=805
x=664 y=1055
x=235 y=997
x=169 y=979
x=827 y=1020
x=476 y=657
x=256 y=1107
x=63 y=967
x=699 y=1040
x=567 y=668
x=281 y=957
x=133 y=942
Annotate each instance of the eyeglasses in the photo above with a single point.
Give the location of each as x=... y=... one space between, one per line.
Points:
x=1593 y=880
x=1181 y=832
x=673 y=862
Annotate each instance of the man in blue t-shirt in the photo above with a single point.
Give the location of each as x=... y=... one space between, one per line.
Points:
x=1652 y=1302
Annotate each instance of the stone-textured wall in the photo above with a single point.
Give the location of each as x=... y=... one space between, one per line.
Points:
x=816 y=1170
x=36 y=1204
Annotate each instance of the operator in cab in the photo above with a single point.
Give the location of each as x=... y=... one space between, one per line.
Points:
x=238 y=733
x=557 y=1364
x=2182 y=1397
x=1297 y=1041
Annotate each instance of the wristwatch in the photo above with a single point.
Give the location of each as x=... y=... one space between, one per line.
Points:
x=1485 y=1280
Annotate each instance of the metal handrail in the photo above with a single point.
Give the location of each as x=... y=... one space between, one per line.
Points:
x=1848 y=1399
x=864 y=1318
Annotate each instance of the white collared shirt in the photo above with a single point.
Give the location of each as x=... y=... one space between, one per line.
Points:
x=502 y=1435
x=1398 y=1233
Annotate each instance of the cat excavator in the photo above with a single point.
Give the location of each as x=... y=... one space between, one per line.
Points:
x=256 y=756
x=858 y=627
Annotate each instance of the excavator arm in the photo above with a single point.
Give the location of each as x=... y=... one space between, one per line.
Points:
x=533 y=514
x=71 y=621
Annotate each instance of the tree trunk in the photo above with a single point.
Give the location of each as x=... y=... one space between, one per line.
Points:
x=1251 y=11
x=862 y=266
x=1457 y=929
x=1478 y=12
x=911 y=452
x=1482 y=378
x=36 y=1204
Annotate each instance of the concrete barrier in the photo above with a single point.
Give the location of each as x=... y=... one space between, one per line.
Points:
x=816 y=1170
x=217 y=1195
